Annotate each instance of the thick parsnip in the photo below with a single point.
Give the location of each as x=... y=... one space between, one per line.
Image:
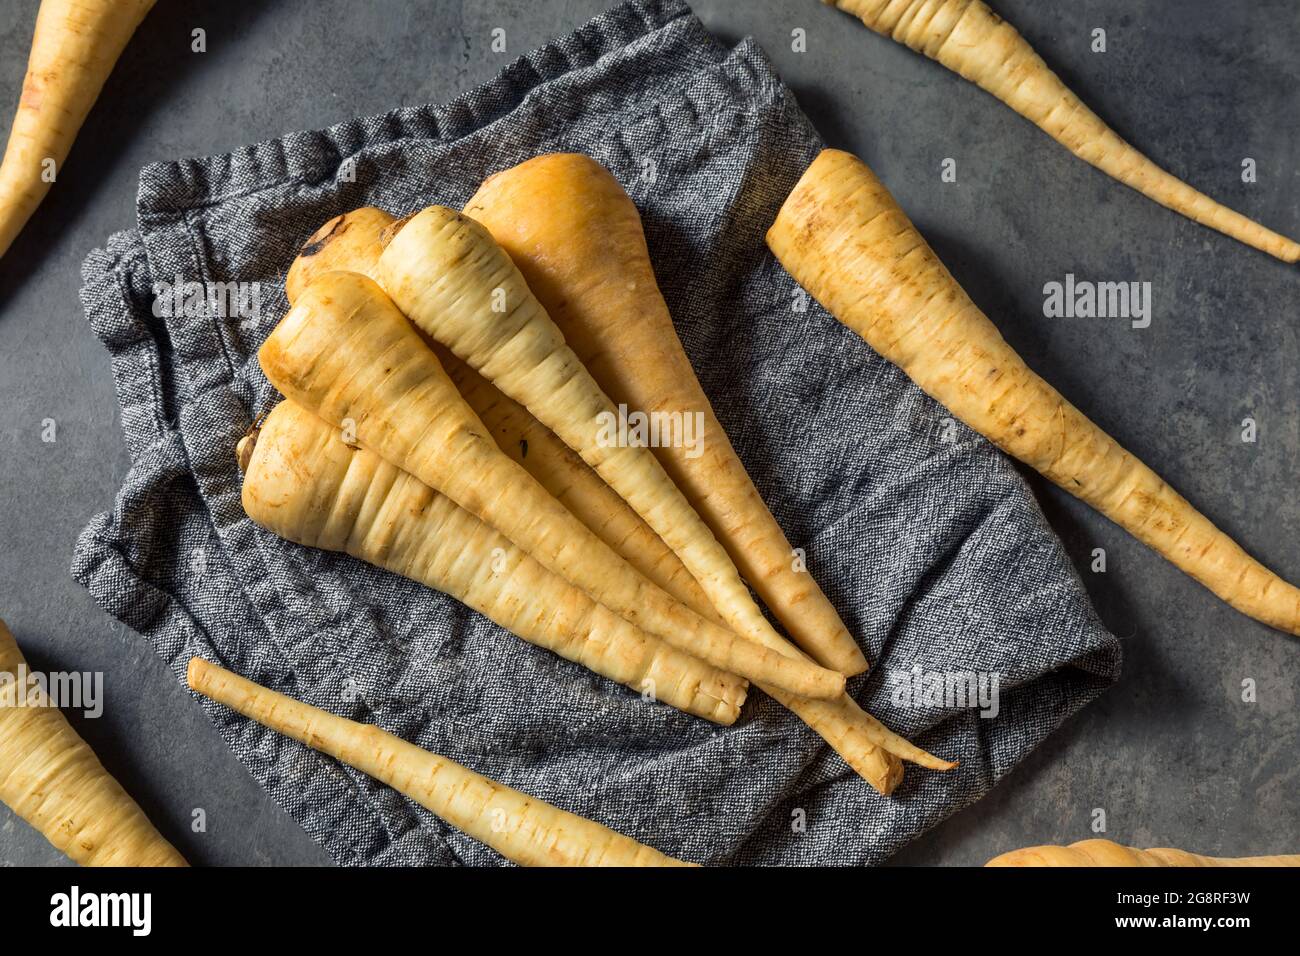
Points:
x=844 y=239
x=448 y=275
x=51 y=778
x=521 y=828
x=348 y=243
x=970 y=39
x=577 y=239
x=74 y=48
x=856 y=736
x=303 y=483
x=346 y=353
x=1106 y=853
x=351 y=242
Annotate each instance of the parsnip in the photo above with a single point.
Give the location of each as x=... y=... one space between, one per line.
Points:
x=973 y=41
x=1106 y=853
x=51 y=778
x=74 y=48
x=844 y=239
x=521 y=828
x=347 y=243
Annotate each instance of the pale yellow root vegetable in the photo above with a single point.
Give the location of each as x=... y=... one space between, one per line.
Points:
x=521 y=828
x=447 y=274
x=346 y=353
x=74 y=48
x=51 y=778
x=844 y=239
x=970 y=39
x=351 y=242
x=303 y=483
x=859 y=739
x=1106 y=853
x=577 y=239
x=347 y=243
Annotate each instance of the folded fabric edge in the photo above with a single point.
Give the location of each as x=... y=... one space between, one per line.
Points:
x=114 y=316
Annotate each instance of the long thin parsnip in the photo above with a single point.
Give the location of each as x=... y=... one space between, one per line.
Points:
x=351 y=242
x=347 y=354
x=850 y=731
x=577 y=239
x=303 y=483
x=74 y=48
x=521 y=828
x=844 y=239
x=970 y=39
x=51 y=778
x=1106 y=853
x=448 y=275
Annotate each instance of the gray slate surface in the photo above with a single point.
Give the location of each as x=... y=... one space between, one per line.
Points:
x=1171 y=753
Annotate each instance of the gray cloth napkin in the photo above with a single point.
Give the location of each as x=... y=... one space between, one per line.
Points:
x=926 y=539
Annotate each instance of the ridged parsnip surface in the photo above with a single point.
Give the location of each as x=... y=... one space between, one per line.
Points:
x=306 y=485
x=345 y=352
x=51 y=778
x=575 y=485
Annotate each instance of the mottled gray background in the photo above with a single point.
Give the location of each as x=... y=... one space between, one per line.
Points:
x=1172 y=754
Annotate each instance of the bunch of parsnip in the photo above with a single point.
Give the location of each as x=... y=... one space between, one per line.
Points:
x=449 y=380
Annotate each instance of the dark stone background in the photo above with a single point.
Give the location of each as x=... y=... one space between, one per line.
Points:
x=1172 y=754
